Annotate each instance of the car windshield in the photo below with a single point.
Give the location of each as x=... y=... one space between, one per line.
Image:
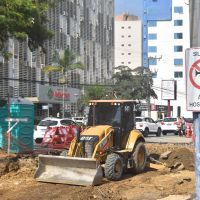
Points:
x=66 y=122
x=48 y=123
x=169 y=120
x=138 y=119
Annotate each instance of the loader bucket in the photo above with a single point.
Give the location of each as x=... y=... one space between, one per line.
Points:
x=69 y=170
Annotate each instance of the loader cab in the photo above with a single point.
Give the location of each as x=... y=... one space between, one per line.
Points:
x=118 y=114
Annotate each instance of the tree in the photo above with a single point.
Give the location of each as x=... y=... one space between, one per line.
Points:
x=63 y=63
x=133 y=84
x=24 y=19
x=143 y=83
x=93 y=92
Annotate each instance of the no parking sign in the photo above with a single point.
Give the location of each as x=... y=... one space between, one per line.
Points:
x=192 y=71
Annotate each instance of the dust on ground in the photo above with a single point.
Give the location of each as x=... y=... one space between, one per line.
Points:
x=17 y=182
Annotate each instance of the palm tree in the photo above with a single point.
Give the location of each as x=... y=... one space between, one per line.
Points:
x=63 y=63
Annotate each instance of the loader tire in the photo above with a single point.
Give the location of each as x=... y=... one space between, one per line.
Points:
x=113 y=167
x=139 y=158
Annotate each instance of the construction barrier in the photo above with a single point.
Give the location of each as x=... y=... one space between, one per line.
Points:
x=60 y=137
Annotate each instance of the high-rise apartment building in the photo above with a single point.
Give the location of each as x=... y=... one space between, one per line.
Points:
x=86 y=27
x=128 y=41
x=167 y=40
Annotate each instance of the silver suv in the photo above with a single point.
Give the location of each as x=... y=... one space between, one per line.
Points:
x=148 y=126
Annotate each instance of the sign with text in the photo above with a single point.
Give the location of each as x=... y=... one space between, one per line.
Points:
x=192 y=71
x=168 y=90
x=53 y=94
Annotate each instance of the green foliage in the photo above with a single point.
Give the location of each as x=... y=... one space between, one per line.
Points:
x=133 y=84
x=22 y=18
x=63 y=62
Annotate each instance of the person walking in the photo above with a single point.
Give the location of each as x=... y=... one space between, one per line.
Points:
x=183 y=126
x=179 y=126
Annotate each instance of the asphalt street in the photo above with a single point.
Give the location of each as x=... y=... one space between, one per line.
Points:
x=169 y=138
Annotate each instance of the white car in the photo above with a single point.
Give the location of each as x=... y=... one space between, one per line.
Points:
x=80 y=120
x=41 y=128
x=169 y=125
x=148 y=126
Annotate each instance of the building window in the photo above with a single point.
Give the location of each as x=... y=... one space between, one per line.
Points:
x=152 y=23
x=129 y=62
x=178 y=22
x=122 y=45
x=122 y=36
x=122 y=54
x=152 y=62
x=129 y=54
x=178 y=9
x=154 y=0
x=178 y=74
x=129 y=27
x=178 y=48
x=122 y=62
x=178 y=61
x=122 y=27
x=129 y=45
x=152 y=36
x=129 y=36
x=178 y=35
x=152 y=49
x=154 y=74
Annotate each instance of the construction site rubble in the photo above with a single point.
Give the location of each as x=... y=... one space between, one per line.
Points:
x=175 y=180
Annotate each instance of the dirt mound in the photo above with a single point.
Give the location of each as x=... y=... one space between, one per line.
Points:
x=17 y=165
x=181 y=156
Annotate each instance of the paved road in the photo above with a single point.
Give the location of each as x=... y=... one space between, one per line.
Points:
x=169 y=138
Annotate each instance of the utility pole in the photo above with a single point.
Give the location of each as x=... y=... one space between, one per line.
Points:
x=195 y=42
x=148 y=86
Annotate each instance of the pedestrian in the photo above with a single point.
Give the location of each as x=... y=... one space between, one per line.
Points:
x=183 y=125
x=178 y=123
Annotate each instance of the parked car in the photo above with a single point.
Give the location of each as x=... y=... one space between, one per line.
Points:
x=159 y=121
x=169 y=125
x=80 y=120
x=148 y=126
x=41 y=128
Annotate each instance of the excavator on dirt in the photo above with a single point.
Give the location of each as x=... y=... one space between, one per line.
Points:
x=108 y=147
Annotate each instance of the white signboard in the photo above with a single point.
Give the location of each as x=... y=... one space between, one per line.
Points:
x=192 y=71
x=53 y=94
x=168 y=90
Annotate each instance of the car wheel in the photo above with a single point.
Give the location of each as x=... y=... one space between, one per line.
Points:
x=38 y=140
x=176 y=133
x=146 y=132
x=158 y=132
x=164 y=133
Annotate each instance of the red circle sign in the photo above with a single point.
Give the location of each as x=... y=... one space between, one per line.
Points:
x=195 y=66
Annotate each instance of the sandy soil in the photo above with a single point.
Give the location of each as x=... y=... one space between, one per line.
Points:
x=17 y=183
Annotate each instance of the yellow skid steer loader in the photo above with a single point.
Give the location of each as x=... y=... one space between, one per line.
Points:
x=108 y=147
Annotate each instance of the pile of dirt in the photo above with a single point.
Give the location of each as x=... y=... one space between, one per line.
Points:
x=17 y=165
x=17 y=183
x=180 y=157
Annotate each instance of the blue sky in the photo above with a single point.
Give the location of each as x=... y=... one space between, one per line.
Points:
x=131 y=6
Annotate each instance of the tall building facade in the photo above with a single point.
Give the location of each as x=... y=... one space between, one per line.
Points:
x=167 y=41
x=86 y=27
x=128 y=41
